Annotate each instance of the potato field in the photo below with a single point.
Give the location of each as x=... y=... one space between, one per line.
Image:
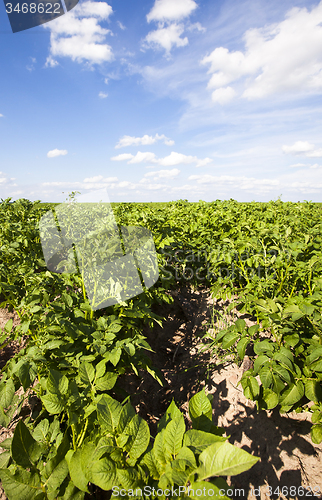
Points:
x=123 y=400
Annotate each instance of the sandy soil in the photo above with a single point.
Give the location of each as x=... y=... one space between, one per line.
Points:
x=287 y=455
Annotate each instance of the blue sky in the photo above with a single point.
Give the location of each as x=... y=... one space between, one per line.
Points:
x=158 y=100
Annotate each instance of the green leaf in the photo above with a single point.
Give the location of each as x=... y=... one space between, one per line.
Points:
x=22 y=485
x=229 y=339
x=291 y=340
x=270 y=398
x=161 y=455
x=114 y=356
x=241 y=347
x=108 y=412
x=129 y=479
x=264 y=346
x=25 y=450
x=224 y=459
x=76 y=472
x=7 y=393
x=106 y=382
x=4 y=459
x=4 y=418
x=240 y=325
x=316 y=433
x=292 y=394
x=86 y=372
x=266 y=376
x=283 y=373
x=316 y=416
x=139 y=438
x=103 y=474
x=259 y=361
x=52 y=403
x=152 y=464
x=173 y=435
x=126 y=415
x=198 y=441
x=200 y=411
x=207 y=490
x=314 y=356
x=251 y=391
x=171 y=413
x=56 y=468
x=313 y=390
x=129 y=348
x=8 y=326
x=41 y=430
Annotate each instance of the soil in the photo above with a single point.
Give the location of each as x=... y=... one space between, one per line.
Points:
x=287 y=455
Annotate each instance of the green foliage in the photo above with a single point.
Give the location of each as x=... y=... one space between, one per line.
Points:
x=117 y=451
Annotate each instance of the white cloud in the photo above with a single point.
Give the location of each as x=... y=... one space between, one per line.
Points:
x=163 y=174
x=178 y=158
x=142 y=157
x=315 y=154
x=281 y=58
x=102 y=95
x=78 y=35
x=172 y=159
x=121 y=26
x=240 y=182
x=299 y=165
x=138 y=158
x=196 y=27
x=171 y=10
x=1 y=116
x=223 y=95
x=303 y=148
x=50 y=62
x=167 y=37
x=56 y=152
x=100 y=178
x=122 y=157
x=31 y=66
x=299 y=147
x=127 y=140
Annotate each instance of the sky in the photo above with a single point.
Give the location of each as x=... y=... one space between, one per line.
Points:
x=160 y=100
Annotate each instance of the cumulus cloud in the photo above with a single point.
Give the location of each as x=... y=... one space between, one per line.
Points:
x=163 y=174
x=78 y=34
x=50 y=62
x=102 y=95
x=167 y=161
x=167 y=38
x=170 y=10
x=283 y=57
x=223 y=95
x=240 y=182
x=56 y=152
x=304 y=148
x=100 y=178
x=122 y=157
x=128 y=140
x=299 y=165
x=171 y=13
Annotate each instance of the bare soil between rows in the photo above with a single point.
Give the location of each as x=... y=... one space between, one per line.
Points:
x=287 y=455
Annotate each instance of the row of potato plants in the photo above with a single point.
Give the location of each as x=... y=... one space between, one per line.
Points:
x=83 y=432
x=267 y=258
